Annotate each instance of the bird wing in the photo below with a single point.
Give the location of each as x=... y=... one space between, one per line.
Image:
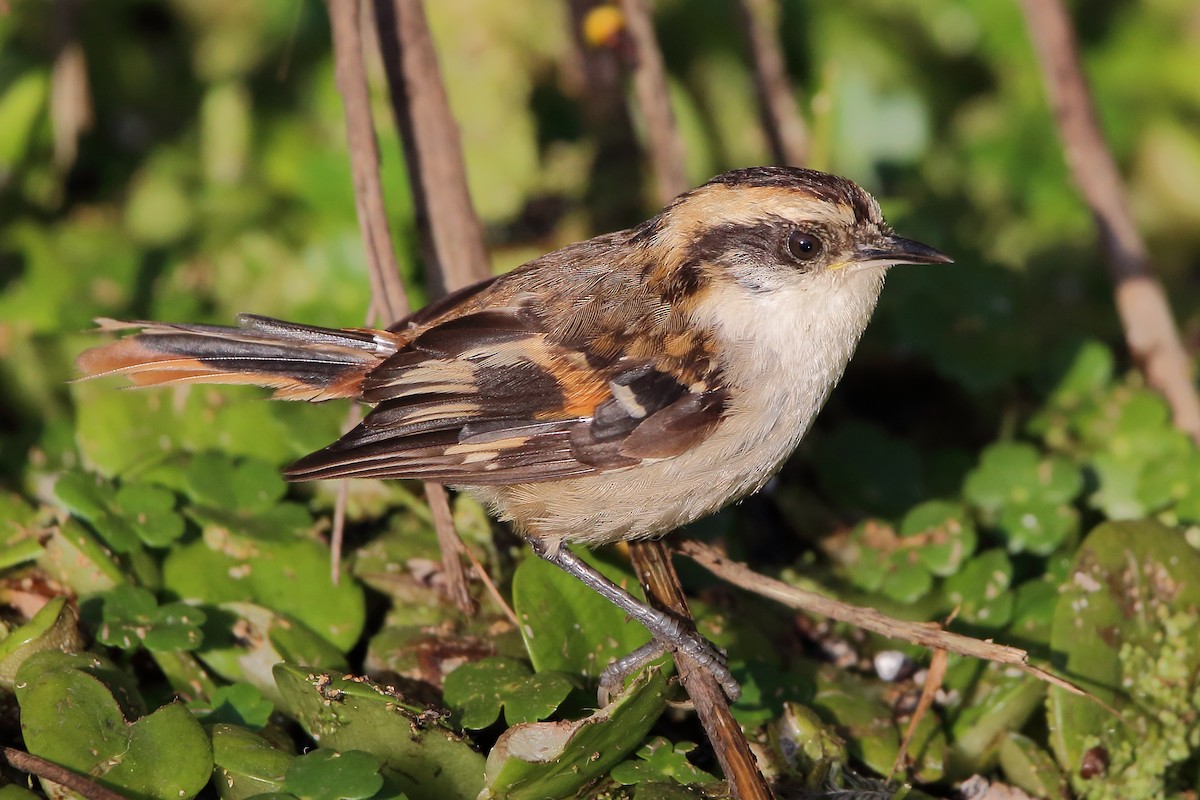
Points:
x=498 y=396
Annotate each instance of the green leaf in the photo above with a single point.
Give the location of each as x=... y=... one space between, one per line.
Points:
x=71 y=717
x=127 y=517
x=1013 y=473
x=132 y=618
x=1031 y=768
x=288 y=574
x=946 y=534
x=19 y=531
x=238 y=704
x=245 y=763
x=566 y=626
x=329 y=775
x=981 y=589
x=660 y=760
x=1126 y=630
x=556 y=759
x=479 y=689
x=1037 y=527
x=420 y=756
x=53 y=628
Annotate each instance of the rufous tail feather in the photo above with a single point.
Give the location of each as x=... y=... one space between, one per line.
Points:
x=300 y=362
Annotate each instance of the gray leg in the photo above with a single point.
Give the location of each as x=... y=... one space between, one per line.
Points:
x=669 y=632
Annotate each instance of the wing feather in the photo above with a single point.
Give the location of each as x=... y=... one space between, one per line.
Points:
x=495 y=397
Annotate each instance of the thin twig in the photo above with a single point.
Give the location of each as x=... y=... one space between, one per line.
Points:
x=48 y=770
x=386 y=289
x=1150 y=330
x=490 y=585
x=781 y=120
x=919 y=633
x=654 y=101
x=451 y=235
x=659 y=579
x=451 y=546
x=933 y=682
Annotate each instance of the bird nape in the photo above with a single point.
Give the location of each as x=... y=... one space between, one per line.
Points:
x=611 y=390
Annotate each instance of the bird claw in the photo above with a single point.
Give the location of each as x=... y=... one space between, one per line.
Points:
x=691 y=644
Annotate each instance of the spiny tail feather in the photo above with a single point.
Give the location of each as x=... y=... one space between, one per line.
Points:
x=300 y=362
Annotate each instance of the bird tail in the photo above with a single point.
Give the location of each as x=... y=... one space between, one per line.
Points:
x=300 y=362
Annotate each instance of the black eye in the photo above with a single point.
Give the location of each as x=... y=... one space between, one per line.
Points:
x=803 y=246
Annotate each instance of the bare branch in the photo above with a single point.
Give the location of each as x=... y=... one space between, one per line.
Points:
x=781 y=120
x=386 y=289
x=450 y=232
x=650 y=89
x=451 y=235
x=919 y=633
x=1150 y=329
x=48 y=770
x=659 y=579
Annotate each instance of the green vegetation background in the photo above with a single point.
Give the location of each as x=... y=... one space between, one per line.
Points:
x=990 y=448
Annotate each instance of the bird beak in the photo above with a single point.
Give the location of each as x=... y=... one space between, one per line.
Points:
x=894 y=250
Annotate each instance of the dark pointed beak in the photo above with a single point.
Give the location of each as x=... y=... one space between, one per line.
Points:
x=894 y=250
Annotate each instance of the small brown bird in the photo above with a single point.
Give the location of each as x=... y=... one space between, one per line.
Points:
x=614 y=389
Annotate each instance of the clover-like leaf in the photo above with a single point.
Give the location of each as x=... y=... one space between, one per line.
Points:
x=283 y=574
x=980 y=589
x=329 y=775
x=1037 y=527
x=945 y=532
x=907 y=580
x=660 y=760
x=126 y=517
x=479 y=689
x=151 y=509
x=866 y=557
x=131 y=618
x=1014 y=473
x=238 y=704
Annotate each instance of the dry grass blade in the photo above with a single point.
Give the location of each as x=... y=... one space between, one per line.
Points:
x=933 y=681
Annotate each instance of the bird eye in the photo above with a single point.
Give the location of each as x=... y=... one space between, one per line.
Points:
x=803 y=246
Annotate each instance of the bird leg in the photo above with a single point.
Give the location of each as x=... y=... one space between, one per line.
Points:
x=670 y=633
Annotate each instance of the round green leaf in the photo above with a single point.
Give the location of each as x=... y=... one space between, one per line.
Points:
x=329 y=775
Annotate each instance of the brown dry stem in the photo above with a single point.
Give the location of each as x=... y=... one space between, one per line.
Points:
x=924 y=634
x=657 y=574
x=451 y=234
x=387 y=291
x=781 y=120
x=48 y=770
x=1150 y=330
x=653 y=99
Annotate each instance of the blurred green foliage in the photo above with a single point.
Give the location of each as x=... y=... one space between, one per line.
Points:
x=991 y=453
